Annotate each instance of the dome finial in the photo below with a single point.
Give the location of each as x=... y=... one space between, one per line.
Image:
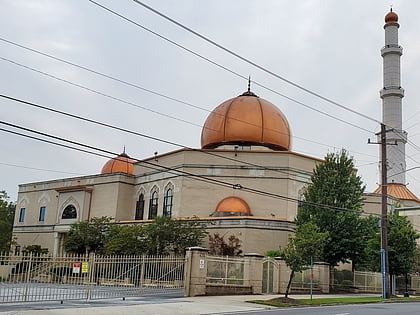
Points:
x=124 y=149
x=248 y=92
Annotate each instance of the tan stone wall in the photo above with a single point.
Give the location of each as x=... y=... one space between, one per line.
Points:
x=44 y=239
x=254 y=239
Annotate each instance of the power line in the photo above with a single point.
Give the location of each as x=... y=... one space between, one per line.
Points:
x=101 y=74
x=225 y=68
x=104 y=153
x=155 y=111
x=40 y=169
x=249 y=61
x=101 y=93
x=137 y=133
x=161 y=94
x=78 y=117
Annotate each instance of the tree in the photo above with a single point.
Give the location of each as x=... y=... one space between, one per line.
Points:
x=272 y=253
x=86 y=236
x=370 y=226
x=126 y=240
x=166 y=235
x=307 y=243
x=333 y=202
x=7 y=214
x=160 y=237
x=218 y=246
x=402 y=246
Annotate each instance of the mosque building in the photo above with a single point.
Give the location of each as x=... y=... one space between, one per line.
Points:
x=245 y=180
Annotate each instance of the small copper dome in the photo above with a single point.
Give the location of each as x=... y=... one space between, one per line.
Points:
x=120 y=164
x=232 y=206
x=246 y=120
x=391 y=18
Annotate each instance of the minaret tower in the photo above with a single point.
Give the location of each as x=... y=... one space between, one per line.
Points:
x=392 y=94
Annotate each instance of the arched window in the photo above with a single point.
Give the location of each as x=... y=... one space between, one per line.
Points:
x=139 y=208
x=69 y=212
x=153 y=205
x=167 y=203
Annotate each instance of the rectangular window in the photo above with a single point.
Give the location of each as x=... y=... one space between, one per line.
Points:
x=42 y=211
x=22 y=215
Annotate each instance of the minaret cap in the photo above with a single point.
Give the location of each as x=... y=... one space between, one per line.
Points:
x=391 y=18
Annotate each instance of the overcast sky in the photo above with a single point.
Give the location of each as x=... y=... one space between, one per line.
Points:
x=330 y=47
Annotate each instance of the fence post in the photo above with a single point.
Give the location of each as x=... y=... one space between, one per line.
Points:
x=195 y=271
x=324 y=276
x=143 y=266
x=91 y=275
x=254 y=271
x=28 y=277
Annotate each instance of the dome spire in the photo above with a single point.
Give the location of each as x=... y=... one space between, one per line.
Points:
x=248 y=92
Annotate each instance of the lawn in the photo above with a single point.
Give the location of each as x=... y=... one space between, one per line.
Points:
x=288 y=302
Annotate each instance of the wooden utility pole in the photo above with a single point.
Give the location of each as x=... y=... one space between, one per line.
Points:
x=386 y=285
x=384 y=217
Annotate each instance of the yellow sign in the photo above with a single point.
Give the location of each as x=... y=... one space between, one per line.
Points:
x=85 y=267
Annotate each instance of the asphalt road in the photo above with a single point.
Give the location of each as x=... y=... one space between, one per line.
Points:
x=360 y=309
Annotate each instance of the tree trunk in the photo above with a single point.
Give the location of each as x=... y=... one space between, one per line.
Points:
x=289 y=284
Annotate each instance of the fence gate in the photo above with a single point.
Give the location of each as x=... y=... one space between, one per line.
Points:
x=270 y=268
x=44 y=278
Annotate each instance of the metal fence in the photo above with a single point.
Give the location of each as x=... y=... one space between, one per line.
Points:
x=45 y=278
x=270 y=269
x=226 y=270
x=368 y=281
x=302 y=280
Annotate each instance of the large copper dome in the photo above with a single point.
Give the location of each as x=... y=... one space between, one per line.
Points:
x=246 y=120
x=120 y=164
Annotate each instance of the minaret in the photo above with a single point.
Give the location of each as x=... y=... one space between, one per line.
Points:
x=392 y=94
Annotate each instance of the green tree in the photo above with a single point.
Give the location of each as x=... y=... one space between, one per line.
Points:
x=166 y=235
x=402 y=246
x=307 y=243
x=7 y=214
x=161 y=237
x=370 y=226
x=86 y=236
x=333 y=202
x=272 y=253
x=126 y=240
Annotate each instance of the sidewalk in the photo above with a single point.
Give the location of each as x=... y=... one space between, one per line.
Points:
x=152 y=306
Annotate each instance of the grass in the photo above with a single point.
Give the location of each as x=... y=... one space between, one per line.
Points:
x=333 y=301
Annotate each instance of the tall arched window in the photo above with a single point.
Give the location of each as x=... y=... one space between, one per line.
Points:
x=153 y=205
x=139 y=208
x=167 y=203
x=69 y=212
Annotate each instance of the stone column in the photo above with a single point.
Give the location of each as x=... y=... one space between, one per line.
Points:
x=195 y=271
x=56 y=244
x=253 y=271
x=283 y=275
x=324 y=276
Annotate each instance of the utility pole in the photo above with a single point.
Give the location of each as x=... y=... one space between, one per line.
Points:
x=384 y=217
x=386 y=286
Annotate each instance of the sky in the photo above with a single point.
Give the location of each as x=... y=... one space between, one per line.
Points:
x=326 y=46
